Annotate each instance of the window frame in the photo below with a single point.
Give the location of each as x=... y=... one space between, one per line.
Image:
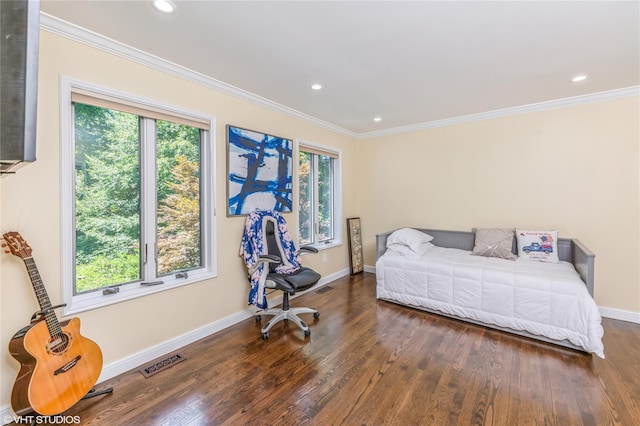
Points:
x=336 y=178
x=95 y=299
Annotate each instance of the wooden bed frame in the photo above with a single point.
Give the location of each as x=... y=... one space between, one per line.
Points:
x=569 y=249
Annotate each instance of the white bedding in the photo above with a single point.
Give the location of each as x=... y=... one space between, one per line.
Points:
x=546 y=299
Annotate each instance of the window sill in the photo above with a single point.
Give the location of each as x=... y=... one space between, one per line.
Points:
x=96 y=299
x=325 y=246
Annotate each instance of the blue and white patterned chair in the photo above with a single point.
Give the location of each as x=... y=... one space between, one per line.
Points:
x=274 y=263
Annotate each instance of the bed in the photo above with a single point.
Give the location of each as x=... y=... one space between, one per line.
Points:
x=552 y=302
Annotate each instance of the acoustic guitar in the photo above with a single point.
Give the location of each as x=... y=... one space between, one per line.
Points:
x=58 y=365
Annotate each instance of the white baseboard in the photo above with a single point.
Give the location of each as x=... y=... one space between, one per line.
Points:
x=7 y=414
x=371 y=269
x=619 y=314
x=137 y=359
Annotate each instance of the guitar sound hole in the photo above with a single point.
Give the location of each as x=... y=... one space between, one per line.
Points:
x=58 y=344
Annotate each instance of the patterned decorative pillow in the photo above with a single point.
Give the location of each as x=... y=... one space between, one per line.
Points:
x=494 y=242
x=538 y=245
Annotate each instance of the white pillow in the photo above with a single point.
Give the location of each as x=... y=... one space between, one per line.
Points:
x=408 y=251
x=409 y=237
x=538 y=245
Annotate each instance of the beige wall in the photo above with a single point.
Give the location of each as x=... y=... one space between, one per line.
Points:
x=31 y=205
x=574 y=169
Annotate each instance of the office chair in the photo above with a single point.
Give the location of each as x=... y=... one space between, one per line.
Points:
x=273 y=263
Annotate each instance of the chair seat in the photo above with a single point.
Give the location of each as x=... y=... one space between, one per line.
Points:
x=299 y=280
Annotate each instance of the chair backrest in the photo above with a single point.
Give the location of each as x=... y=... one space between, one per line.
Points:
x=267 y=232
x=273 y=229
x=273 y=247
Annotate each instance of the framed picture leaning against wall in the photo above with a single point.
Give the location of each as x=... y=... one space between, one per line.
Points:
x=356 y=261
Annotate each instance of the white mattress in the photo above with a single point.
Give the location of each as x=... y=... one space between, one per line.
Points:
x=545 y=299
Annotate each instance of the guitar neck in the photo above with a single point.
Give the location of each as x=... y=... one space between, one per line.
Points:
x=43 y=298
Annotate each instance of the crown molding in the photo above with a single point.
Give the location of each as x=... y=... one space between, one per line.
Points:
x=79 y=34
x=76 y=33
x=505 y=112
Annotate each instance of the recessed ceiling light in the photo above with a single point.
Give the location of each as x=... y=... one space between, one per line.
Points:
x=377 y=119
x=316 y=86
x=164 y=6
x=578 y=78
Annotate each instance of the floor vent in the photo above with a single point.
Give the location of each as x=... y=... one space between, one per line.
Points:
x=324 y=289
x=160 y=364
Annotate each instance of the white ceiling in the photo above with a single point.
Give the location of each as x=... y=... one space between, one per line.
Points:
x=407 y=62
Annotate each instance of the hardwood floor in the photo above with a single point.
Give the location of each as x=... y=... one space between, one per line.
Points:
x=370 y=362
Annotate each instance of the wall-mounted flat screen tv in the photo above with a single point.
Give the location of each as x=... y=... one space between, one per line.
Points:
x=19 y=32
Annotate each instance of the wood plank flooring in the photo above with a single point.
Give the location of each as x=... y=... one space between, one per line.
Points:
x=371 y=362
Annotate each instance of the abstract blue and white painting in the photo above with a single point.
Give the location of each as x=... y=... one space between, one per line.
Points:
x=259 y=172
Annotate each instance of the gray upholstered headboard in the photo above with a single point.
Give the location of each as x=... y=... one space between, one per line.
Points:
x=569 y=250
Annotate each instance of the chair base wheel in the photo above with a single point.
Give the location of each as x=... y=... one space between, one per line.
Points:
x=258 y=318
x=316 y=315
x=265 y=336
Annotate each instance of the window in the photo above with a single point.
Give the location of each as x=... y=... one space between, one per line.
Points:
x=319 y=195
x=137 y=197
